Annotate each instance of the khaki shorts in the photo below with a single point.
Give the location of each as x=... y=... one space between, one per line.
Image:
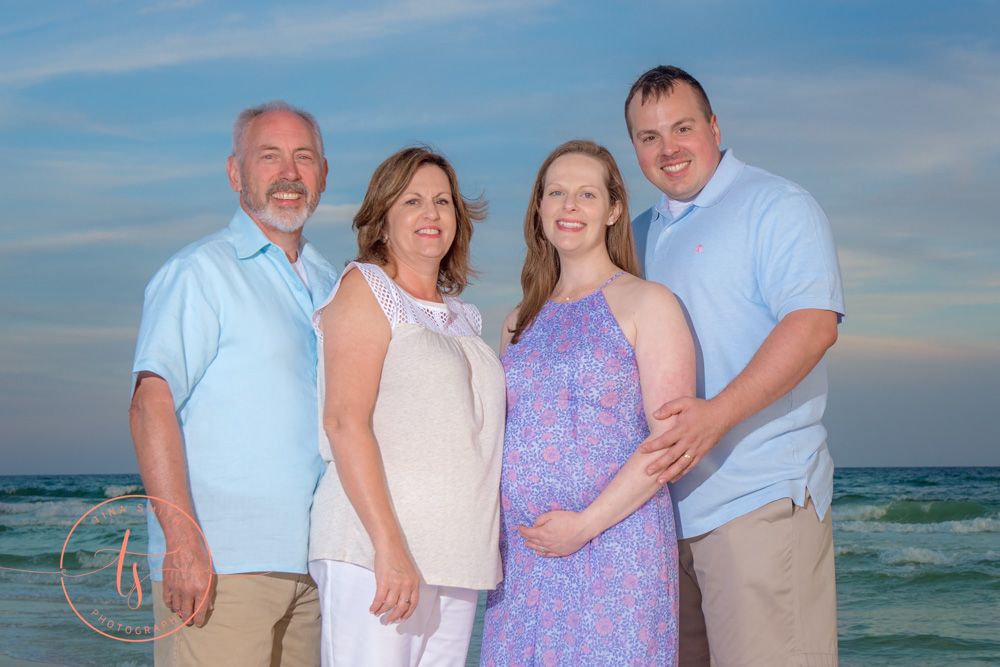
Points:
x=760 y=591
x=268 y=620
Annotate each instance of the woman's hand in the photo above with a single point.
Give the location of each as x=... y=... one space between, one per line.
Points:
x=559 y=533
x=397 y=585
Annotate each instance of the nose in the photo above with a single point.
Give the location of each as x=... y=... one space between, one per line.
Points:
x=668 y=146
x=569 y=203
x=289 y=169
x=432 y=212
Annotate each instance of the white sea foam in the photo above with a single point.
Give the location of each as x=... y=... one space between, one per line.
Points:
x=916 y=556
x=55 y=513
x=853 y=550
x=969 y=526
x=96 y=561
x=116 y=490
x=46 y=508
x=859 y=513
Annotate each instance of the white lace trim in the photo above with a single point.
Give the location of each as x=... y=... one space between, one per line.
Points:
x=454 y=317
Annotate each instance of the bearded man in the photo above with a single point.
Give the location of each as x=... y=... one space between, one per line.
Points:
x=224 y=412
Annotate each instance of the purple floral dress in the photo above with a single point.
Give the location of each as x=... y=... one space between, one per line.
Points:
x=574 y=416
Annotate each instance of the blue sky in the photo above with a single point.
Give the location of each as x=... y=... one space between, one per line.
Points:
x=115 y=118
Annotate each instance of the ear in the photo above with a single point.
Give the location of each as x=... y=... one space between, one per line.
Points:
x=322 y=180
x=233 y=169
x=715 y=130
x=616 y=212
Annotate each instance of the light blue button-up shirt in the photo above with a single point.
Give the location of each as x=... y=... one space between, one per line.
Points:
x=752 y=248
x=227 y=323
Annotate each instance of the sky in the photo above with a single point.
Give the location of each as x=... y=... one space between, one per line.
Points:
x=115 y=119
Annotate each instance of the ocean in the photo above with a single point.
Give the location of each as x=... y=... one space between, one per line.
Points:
x=917 y=551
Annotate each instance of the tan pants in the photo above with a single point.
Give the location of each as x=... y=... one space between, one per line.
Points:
x=269 y=620
x=759 y=591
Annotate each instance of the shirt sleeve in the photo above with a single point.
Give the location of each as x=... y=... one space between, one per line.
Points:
x=797 y=264
x=179 y=333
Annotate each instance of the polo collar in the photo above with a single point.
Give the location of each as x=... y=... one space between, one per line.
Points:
x=722 y=180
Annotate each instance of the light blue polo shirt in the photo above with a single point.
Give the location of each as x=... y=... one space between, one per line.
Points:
x=752 y=248
x=226 y=322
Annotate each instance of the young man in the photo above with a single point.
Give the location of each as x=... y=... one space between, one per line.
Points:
x=752 y=260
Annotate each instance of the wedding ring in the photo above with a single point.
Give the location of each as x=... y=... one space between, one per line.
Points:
x=407 y=600
x=545 y=552
x=688 y=457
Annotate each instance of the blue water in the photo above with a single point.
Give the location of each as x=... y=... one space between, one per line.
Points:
x=918 y=567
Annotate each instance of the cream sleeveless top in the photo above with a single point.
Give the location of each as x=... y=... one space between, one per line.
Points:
x=438 y=420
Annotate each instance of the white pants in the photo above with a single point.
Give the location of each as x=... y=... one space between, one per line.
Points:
x=437 y=634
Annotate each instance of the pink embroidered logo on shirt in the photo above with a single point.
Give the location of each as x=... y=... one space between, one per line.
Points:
x=699 y=248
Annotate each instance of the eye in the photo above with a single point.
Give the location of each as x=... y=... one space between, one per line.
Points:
x=683 y=130
x=412 y=201
x=588 y=195
x=554 y=193
x=443 y=201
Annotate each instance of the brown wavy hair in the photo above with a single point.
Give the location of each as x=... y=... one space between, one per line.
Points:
x=387 y=184
x=541 y=265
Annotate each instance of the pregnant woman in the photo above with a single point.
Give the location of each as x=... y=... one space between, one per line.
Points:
x=588 y=542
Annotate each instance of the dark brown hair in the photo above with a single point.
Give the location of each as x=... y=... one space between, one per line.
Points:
x=541 y=264
x=387 y=184
x=660 y=81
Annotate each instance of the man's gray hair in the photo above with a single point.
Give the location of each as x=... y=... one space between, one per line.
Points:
x=243 y=122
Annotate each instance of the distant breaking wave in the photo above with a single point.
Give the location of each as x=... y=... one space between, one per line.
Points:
x=116 y=490
x=908 y=511
x=980 y=525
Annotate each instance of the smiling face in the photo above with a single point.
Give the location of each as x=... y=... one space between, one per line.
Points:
x=575 y=206
x=676 y=145
x=420 y=224
x=281 y=172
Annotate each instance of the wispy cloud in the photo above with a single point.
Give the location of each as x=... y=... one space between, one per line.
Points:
x=880 y=120
x=20 y=113
x=117 y=44
x=171 y=233
x=866 y=347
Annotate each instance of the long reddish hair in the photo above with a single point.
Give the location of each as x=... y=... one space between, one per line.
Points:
x=541 y=264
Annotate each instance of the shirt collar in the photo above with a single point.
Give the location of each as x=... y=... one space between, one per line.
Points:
x=722 y=180
x=248 y=237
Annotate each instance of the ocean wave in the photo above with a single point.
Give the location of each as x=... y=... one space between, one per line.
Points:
x=912 y=510
x=48 y=562
x=916 y=555
x=859 y=513
x=116 y=490
x=57 y=513
x=47 y=508
x=981 y=525
x=46 y=492
x=843 y=550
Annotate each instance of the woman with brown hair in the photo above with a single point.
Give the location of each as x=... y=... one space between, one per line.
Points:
x=405 y=521
x=588 y=541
